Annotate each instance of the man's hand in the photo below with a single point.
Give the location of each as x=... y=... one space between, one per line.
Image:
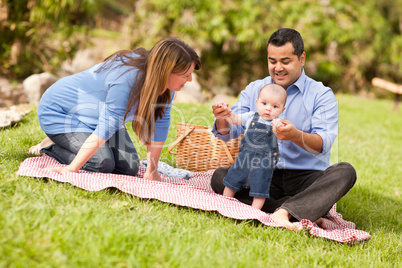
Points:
x=311 y=142
x=284 y=130
x=221 y=112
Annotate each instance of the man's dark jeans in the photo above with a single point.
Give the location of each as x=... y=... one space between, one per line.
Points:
x=305 y=194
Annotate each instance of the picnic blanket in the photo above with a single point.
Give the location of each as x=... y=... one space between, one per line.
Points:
x=195 y=192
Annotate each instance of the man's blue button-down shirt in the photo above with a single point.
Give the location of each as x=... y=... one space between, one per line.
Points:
x=310 y=106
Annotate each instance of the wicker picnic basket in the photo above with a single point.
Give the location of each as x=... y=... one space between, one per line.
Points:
x=199 y=150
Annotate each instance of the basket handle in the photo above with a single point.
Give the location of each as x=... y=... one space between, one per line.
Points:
x=225 y=147
x=179 y=139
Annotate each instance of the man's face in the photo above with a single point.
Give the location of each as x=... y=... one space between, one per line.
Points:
x=284 y=66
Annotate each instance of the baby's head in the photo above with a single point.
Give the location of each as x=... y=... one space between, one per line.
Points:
x=271 y=101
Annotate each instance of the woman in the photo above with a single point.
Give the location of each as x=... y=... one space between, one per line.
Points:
x=84 y=115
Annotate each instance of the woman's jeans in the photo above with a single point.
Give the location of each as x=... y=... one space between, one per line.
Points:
x=117 y=155
x=305 y=194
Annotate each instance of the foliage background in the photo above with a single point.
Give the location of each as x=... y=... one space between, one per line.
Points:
x=348 y=42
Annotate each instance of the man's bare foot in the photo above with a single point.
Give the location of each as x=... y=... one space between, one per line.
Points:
x=321 y=223
x=36 y=148
x=282 y=217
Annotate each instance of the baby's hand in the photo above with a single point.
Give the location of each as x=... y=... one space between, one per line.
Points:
x=277 y=123
x=221 y=110
x=221 y=105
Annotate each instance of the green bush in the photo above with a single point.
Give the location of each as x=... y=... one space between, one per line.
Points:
x=347 y=42
x=38 y=35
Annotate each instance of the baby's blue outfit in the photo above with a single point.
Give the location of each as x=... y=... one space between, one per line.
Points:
x=255 y=163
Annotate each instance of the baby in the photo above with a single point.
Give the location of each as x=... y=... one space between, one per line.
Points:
x=258 y=151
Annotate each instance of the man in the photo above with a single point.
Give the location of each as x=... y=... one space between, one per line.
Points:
x=304 y=185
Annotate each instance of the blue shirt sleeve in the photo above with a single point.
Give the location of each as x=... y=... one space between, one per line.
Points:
x=325 y=120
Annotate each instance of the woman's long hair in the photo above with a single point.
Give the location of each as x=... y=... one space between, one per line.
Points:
x=169 y=55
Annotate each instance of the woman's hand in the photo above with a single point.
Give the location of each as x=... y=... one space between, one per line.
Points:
x=61 y=170
x=152 y=175
x=153 y=153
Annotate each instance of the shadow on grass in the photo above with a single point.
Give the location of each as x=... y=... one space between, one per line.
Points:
x=371 y=211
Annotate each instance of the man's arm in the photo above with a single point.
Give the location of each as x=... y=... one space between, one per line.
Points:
x=221 y=113
x=310 y=142
x=324 y=126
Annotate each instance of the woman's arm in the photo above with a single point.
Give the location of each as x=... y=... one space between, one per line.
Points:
x=153 y=153
x=88 y=149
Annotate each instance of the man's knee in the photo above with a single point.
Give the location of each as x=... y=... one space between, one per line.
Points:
x=217 y=179
x=346 y=172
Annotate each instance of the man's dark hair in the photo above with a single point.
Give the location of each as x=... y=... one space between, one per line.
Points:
x=285 y=35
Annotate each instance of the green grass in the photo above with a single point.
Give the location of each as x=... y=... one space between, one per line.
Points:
x=44 y=223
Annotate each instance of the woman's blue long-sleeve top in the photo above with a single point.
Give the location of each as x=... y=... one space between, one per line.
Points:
x=93 y=102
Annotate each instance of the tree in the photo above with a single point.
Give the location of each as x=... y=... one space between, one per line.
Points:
x=38 y=35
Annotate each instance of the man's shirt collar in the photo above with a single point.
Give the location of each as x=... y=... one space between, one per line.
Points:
x=299 y=84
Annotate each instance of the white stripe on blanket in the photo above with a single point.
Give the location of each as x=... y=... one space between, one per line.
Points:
x=195 y=193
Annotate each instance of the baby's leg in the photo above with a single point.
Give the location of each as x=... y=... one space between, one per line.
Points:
x=258 y=202
x=229 y=192
x=36 y=148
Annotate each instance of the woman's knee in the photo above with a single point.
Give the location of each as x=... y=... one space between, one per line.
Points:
x=104 y=165
x=102 y=161
x=131 y=170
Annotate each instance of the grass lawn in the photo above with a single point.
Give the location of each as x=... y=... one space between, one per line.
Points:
x=44 y=223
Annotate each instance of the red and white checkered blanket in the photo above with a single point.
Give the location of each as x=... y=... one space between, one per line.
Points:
x=195 y=193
